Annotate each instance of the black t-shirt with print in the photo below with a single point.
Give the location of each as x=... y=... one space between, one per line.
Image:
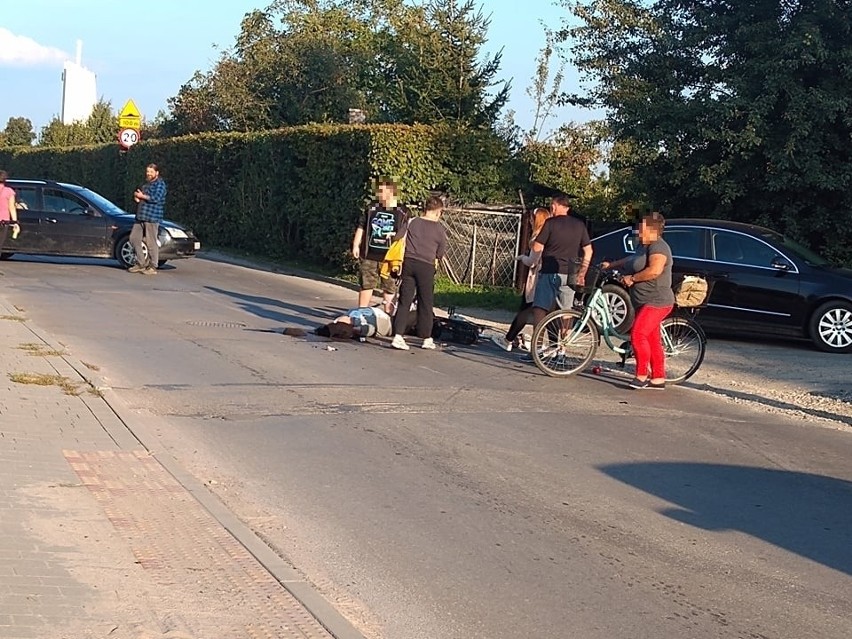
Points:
x=381 y=226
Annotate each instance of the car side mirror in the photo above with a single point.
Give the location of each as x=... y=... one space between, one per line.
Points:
x=780 y=264
x=92 y=212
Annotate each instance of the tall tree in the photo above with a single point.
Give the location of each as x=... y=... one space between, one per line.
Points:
x=732 y=109
x=431 y=70
x=544 y=90
x=18 y=132
x=396 y=61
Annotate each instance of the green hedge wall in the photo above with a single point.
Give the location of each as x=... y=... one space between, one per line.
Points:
x=293 y=192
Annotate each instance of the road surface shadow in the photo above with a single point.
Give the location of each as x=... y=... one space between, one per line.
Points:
x=809 y=515
x=274 y=309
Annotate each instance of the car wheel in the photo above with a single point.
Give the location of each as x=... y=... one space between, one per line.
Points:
x=831 y=327
x=620 y=307
x=5 y=256
x=124 y=252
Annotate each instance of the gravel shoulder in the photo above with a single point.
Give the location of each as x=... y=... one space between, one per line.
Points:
x=780 y=377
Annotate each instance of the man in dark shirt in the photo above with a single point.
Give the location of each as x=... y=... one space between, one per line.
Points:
x=380 y=225
x=560 y=242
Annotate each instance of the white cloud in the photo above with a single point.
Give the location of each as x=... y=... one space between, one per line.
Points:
x=17 y=50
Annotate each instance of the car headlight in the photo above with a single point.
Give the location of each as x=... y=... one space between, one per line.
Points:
x=177 y=233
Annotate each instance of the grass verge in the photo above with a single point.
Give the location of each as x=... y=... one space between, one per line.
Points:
x=40 y=350
x=40 y=379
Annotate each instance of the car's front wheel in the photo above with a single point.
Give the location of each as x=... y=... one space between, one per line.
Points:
x=831 y=327
x=124 y=252
x=620 y=307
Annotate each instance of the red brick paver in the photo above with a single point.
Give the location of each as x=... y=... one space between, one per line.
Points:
x=186 y=550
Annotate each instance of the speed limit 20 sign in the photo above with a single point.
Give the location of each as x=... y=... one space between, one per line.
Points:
x=128 y=137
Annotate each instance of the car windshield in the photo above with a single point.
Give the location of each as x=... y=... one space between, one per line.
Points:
x=101 y=202
x=802 y=252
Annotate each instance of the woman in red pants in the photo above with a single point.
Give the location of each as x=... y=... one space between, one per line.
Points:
x=649 y=278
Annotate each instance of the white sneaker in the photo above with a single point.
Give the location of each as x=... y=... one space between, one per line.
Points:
x=399 y=343
x=428 y=344
x=501 y=342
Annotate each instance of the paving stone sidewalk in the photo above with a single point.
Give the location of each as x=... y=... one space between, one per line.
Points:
x=98 y=538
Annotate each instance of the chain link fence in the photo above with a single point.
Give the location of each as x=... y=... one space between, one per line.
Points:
x=483 y=244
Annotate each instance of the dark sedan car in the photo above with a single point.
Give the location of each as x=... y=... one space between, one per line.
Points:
x=70 y=220
x=763 y=282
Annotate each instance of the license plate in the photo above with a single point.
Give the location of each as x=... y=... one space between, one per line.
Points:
x=198 y=246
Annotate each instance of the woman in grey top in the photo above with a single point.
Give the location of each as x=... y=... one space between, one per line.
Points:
x=649 y=278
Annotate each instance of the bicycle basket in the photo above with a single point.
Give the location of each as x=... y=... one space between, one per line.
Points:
x=692 y=291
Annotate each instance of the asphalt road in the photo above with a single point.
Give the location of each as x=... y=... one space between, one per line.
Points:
x=459 y=493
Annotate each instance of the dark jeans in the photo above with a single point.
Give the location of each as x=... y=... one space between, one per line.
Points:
x=418 y=281
x=522 y=318
x=4 y=233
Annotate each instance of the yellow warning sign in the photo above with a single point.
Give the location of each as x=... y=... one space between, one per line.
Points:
x=129 y=118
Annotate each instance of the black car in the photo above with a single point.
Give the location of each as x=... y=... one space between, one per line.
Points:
x=70 y=220
x=763 y=282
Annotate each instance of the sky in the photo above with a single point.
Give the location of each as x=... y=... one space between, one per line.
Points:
x=145 y=51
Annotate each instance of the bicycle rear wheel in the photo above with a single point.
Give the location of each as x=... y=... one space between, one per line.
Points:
x=562 y=344
x=684 y=344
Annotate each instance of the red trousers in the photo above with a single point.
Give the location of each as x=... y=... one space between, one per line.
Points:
x=647 y=342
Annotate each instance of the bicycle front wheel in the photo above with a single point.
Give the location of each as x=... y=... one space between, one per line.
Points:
x=563 y=344
x=684 y=344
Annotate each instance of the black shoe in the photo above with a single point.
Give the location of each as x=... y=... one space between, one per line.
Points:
x=637 y=383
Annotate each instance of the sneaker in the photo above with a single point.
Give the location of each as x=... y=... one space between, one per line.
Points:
x=136 y=268
x=524 y=342
x=399 y=343
x=658 y=386
x=150 y=270
x=501 y=342
x=638 y=384
x=428 y=344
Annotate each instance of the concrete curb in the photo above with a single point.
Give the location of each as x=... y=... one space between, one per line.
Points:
x=130 y=431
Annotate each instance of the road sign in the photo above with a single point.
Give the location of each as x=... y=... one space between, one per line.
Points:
x=130 y=118
x=128 y=137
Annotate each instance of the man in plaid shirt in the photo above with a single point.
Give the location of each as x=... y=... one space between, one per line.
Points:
x=151 y=199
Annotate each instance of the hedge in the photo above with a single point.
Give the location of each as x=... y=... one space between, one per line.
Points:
x=287 y=193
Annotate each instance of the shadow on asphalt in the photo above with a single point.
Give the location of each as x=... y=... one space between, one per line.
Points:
x=271 y=308
x=809 y=515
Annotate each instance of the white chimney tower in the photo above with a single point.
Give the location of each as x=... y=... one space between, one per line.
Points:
x=79 y=90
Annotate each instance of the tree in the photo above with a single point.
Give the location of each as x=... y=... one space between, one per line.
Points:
x=58 y=134
x=544 y=91
x=429 y=69
x=396 y=61
x=19 y=132
x=102 y=123
x=730 y=109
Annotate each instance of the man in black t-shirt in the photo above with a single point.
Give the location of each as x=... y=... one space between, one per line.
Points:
x=380 y=225
x=562 y=238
